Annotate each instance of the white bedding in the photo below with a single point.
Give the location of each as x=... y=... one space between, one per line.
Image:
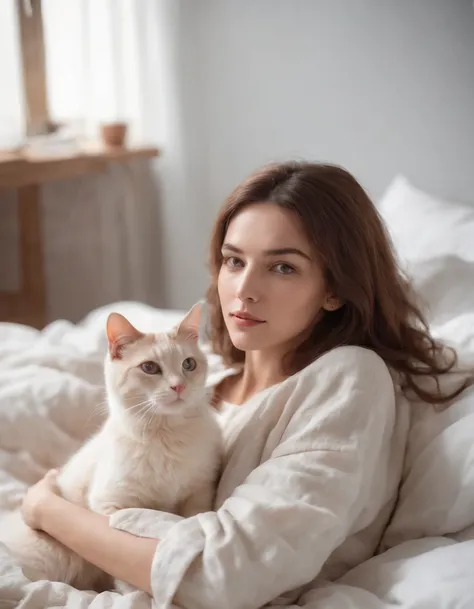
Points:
x=50 y=390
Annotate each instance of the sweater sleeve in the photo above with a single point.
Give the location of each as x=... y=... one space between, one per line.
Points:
x=278 y=528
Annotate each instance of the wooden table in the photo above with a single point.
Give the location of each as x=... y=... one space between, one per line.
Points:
x=26 y=173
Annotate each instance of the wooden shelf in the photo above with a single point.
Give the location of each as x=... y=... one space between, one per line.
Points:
x=17 y=170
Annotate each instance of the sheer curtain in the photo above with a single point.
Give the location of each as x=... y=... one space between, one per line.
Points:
x=96 y=53
x=99 y=54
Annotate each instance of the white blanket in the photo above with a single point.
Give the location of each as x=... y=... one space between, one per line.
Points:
x=50 y=394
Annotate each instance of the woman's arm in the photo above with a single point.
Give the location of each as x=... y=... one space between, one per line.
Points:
x=87 y=533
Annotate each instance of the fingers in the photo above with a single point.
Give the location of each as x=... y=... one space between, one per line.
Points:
x=51 y=479
x=50 y=476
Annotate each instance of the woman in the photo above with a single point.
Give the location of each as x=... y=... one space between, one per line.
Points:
x=307 y=299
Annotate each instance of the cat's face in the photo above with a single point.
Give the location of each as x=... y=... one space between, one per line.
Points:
x=162 y=374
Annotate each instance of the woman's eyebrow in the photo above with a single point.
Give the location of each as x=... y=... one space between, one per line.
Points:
x=275 y=252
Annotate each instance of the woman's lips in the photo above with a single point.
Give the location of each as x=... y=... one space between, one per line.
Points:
x=245 y=320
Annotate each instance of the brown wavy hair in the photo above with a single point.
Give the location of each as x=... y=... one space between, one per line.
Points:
x=380 y=310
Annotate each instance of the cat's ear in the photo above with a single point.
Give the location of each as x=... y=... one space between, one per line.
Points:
x=188 y=329
x=120 y=332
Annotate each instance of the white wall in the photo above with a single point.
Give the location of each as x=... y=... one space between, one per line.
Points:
x=379 y=86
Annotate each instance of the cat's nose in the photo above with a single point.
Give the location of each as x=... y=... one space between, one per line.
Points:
x=178 y=388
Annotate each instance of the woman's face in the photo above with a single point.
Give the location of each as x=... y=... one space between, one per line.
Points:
x=270 y=285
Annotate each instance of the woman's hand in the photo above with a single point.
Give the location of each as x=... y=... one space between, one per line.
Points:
x=37 y=498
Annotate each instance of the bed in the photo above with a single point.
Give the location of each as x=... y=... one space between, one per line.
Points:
x=51 y=389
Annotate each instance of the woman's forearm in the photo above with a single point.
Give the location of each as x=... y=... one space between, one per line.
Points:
x=87 y=533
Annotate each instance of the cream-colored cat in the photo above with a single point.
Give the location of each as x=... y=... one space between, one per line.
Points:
x=160 y=447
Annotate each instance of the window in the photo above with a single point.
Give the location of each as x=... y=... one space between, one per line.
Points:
x=74 y=61
x=12 y=100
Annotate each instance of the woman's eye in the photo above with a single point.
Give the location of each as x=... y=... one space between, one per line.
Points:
x=150 y=368
x=189 y=364
x=284 y=269
x=233 y=262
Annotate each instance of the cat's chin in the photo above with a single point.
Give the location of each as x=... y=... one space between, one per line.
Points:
x=175 y=408
x=171 y=412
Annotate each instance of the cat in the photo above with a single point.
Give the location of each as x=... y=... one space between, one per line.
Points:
x=160 y=447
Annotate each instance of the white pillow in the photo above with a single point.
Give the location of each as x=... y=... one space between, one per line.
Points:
x=422 y=226
x=436 y=496
x=435 y=241
x=446 y=286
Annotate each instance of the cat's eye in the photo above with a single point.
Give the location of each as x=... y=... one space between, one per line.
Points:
x=150 y=368
x=189 y=364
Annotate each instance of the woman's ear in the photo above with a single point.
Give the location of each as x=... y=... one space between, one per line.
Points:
x=332 y=303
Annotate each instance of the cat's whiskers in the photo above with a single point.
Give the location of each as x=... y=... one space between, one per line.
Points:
x=132 y=396
x=142 y=401
x=147 y=415
x=141 y=408
x=101 y=406
x=137 y=408
x=100 y=410
x=162 y=397
x=147 y=423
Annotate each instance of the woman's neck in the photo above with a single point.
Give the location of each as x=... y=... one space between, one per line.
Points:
x=259 y=372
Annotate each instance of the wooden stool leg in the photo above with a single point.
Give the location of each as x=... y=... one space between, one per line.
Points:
x=31 y=251
x=33 y=292
x=29 y=305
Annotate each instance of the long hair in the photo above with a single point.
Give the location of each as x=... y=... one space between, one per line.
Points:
x=379 y=309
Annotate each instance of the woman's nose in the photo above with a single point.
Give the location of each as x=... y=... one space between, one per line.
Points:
x=249 y=287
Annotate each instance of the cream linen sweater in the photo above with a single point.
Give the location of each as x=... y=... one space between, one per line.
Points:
x=311 y=471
